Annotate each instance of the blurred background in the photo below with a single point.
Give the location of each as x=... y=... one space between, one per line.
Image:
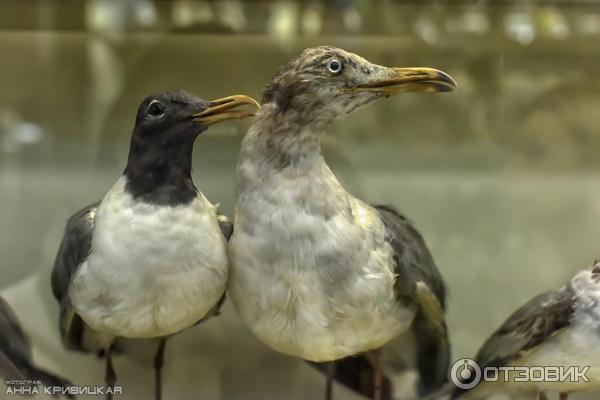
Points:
x=501 y=178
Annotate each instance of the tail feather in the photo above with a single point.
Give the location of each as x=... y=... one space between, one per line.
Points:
x=433 y=356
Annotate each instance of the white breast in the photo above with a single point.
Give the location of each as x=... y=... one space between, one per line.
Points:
x=152 y=270
x=312 y=275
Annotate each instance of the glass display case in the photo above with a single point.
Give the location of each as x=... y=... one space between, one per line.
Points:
x=501 y=177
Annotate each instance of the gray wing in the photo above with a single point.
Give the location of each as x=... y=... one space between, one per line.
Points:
x=74 y=249
x=421 y=284
x=15 y=352
x=542 y=317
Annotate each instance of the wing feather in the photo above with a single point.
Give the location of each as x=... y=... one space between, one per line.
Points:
x=527 y=328
x=420 y=283
x=74 y=249
x=15 y=352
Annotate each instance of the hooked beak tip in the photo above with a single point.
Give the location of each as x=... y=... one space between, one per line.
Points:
x=413 y=79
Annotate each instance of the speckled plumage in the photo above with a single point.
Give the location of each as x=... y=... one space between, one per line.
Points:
x=557 y=328
x=316 y=272
x=315 y=262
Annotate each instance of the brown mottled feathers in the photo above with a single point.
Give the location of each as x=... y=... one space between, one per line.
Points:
x=528 y=327
x=542 y=317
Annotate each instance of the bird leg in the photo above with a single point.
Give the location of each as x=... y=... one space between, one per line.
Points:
x=159 y=359
x=329 y=380
x=563 y=396
x=110 y=378
x=377 y=376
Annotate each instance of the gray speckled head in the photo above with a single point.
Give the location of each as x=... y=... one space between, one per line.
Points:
x=325 y=83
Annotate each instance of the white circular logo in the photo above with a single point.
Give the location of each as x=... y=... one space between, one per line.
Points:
x=465 y=374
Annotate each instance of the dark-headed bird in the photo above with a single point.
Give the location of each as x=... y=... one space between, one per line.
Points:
x=557 y=329
x=16 y=364
x=315 y=272
x=149 y=260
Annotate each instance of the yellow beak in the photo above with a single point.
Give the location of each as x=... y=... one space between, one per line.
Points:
x=391 y=81
x=225 y=109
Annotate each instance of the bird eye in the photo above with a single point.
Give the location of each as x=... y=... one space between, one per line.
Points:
x=334 y=66
x=156 y=109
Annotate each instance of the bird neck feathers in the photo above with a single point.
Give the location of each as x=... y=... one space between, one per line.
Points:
x=586 y=287
x=283 y=139
x=160 y=174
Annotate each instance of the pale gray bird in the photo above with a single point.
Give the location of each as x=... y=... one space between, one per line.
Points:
x=149 y=260
x=315 y=272
x=16 y=362
x=558 y=328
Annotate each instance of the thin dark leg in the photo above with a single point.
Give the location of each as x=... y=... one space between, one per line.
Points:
x=110 y=378
x=329 y=381
x=564 y=396
x=542 y=396
x=377 y=375
x=159 y=359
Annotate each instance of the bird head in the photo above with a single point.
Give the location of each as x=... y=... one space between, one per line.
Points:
x=166 y=127
x=325 y=83
x=179 y=117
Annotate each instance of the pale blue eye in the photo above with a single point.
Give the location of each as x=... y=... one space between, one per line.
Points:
x=334 y=66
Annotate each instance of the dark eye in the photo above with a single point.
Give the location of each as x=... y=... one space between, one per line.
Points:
x=334 y=66
x=156 y=109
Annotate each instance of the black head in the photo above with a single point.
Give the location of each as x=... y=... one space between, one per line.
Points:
x=168 y=117
x=160 y=155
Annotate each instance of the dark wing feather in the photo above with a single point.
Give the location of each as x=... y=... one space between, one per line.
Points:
x=420 y=283
x=15 y=352
x=74 y=249
x=542 y=317
x=15 y=348
x=528 y=327
x=226 y=225
x=227 y=228
x=357 y=374
x=413 y=256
